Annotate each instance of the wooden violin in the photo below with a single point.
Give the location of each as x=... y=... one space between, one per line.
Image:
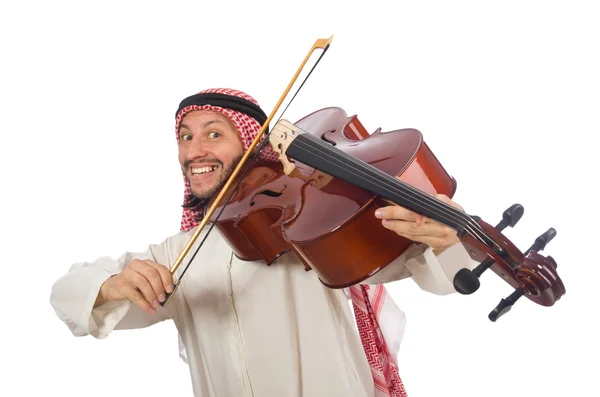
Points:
x=319 y=201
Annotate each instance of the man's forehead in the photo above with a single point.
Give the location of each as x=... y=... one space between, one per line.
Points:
x=205 y=113
x=205 y=117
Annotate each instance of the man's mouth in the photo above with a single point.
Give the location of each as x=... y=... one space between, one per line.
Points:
x=203 y=170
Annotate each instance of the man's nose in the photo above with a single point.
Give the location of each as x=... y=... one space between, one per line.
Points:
x=197 y=149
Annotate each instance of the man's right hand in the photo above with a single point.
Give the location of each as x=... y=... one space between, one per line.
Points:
x=144 y=282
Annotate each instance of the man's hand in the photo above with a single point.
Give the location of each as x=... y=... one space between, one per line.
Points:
x=142 y=281
x=418 y=228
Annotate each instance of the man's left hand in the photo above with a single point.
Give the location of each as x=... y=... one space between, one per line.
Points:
x=419 y=228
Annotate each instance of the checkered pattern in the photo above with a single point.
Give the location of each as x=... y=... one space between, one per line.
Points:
x=367 y=300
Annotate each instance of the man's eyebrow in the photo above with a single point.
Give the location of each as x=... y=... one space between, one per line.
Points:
x=213 y=121
x=206 y=124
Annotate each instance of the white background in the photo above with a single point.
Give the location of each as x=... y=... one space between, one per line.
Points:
x=505 y=93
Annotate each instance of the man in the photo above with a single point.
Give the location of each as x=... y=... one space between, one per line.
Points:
x=249 y=329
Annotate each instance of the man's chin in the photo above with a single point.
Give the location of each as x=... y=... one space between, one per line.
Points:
x=206 y=194
x=202 y=191
x=202 y=194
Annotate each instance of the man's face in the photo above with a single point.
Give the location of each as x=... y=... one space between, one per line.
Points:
x=209 y=150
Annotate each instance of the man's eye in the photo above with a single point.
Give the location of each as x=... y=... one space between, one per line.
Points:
x=213 y=134
x=186 y=137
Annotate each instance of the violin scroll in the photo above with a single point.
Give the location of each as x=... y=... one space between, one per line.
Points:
x=538 y=276
x=530 y=274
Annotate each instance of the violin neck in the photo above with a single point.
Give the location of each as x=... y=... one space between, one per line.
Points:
x=324 y=157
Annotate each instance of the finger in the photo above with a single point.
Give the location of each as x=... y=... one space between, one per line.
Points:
x=396 y=212
x=143 y=285
x=165 y=275
x=401 y=213
x=136 y=297
x=434 y=235
x=135 y=275
x=406 y=228
x=433 y=242
x=448 y=200
x=147 y=269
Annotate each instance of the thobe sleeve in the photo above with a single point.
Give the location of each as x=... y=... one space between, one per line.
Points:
x=74 y=294
x=432 y=273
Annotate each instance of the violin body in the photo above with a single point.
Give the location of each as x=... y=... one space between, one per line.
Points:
x=329 y=223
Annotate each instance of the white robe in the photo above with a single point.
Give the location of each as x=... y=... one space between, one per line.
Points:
x=251 y=329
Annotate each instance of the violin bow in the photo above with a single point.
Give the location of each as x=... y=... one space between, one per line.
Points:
x=319 y=44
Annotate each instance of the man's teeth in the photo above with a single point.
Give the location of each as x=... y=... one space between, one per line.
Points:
x=197 y=171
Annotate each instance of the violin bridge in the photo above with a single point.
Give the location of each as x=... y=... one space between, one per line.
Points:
x=280 y=138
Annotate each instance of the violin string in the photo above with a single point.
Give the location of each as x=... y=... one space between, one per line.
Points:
x=415 y=196
x=420 y=198
x=423 y=199
x=430 y=204
x=357 y=168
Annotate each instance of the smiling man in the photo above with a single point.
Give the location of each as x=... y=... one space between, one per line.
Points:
x=249 y=329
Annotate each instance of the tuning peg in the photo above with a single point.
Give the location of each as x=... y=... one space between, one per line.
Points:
x=511 y=216
x=506 y=304
x=467 y=281
x=543 y=240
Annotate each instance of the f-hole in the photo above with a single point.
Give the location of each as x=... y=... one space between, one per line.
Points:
x=269 y=193
x=327 y=140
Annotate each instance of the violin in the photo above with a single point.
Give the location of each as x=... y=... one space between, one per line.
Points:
x=319 y=200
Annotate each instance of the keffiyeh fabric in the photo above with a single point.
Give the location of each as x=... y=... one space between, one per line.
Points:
x=369 y=302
